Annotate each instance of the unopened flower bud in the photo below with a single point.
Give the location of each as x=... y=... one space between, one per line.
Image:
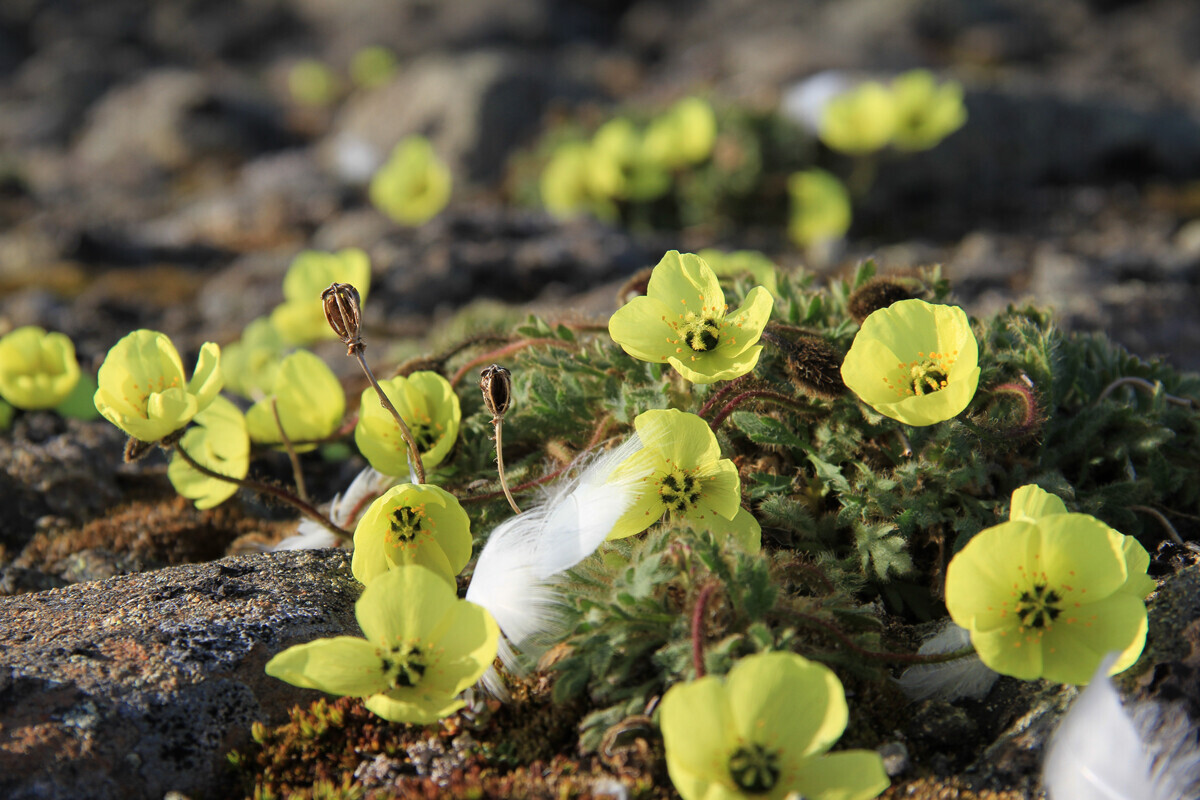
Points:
x=496 y=384
x=343 y=311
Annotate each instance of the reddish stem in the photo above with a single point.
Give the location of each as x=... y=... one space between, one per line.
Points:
x=756 y=394
x=721 y=394
x=698 y=628
x=499 y=353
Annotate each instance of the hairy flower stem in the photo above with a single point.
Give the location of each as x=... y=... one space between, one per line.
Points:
x=499 y=354
x=499 y=423
x=884 y=655
x=698 y=628
x=265 y=488
x=414 y=455
x=722 y=393
x=298 y=473
x=756 y=394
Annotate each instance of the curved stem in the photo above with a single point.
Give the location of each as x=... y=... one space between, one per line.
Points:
x=274 y=491
x=499 y=422
x=721 y=394
x=297 y=473
x=414 y=455
x=755 y=394
x=499 y=354
x=1166 y=523
x=1145 y=386
x=698 y=628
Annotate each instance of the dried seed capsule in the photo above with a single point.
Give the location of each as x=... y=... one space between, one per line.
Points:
x=343 y=311
x=814 y=366
x=496 y=384
x=873 y=295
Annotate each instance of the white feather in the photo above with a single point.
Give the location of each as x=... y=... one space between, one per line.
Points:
x=1103 y=752
x=344 y=507
x=950 y=680
x=516 y=575
x=1096 y=753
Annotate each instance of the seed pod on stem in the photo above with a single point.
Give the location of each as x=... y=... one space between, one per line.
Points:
x=496 y=384
x=343 y=312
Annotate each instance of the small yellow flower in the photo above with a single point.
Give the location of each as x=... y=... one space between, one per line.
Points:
x=861 y=120
x=820 y=207
x=915 y=362
x=312 y=83
x=414 y=185
x=37 y=369
x=412 y=524
x=423 y=647
x=219 y=442
x=682 y=321
x=249 y=365
x=143 y=390
x=926 y=113
x=300 y=319
x=684 y=135
x=679 y=470
x=621 y=167
x=373 y=66
x=430 y=408
x=1048 y=594
x=308 y=399
x=763 y=732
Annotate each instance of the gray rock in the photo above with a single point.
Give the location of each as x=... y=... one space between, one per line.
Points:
x=139 y=685
x=57 y=467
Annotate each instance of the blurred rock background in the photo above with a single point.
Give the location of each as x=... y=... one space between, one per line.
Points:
x=155 y=169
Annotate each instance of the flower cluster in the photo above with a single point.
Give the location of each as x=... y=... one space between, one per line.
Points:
x=913 y=113
x=624 y=163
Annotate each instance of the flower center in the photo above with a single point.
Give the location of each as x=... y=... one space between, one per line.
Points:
x=406 y=524
x=404 y=666
x=702 y=335
x=679 y=491
x=425 y=434
x=754 y=769
x=927 y=377
x=928 y=373
x=1039 y=607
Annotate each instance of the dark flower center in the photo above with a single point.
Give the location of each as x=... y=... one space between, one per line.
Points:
x=679 y=491
x=1039 y=607
x=425 y=435
x=404 y=666
x=703 y=335
x=406 y=523
x=754 y=769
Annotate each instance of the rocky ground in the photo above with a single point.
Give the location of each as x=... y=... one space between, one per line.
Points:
x=155 y=172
